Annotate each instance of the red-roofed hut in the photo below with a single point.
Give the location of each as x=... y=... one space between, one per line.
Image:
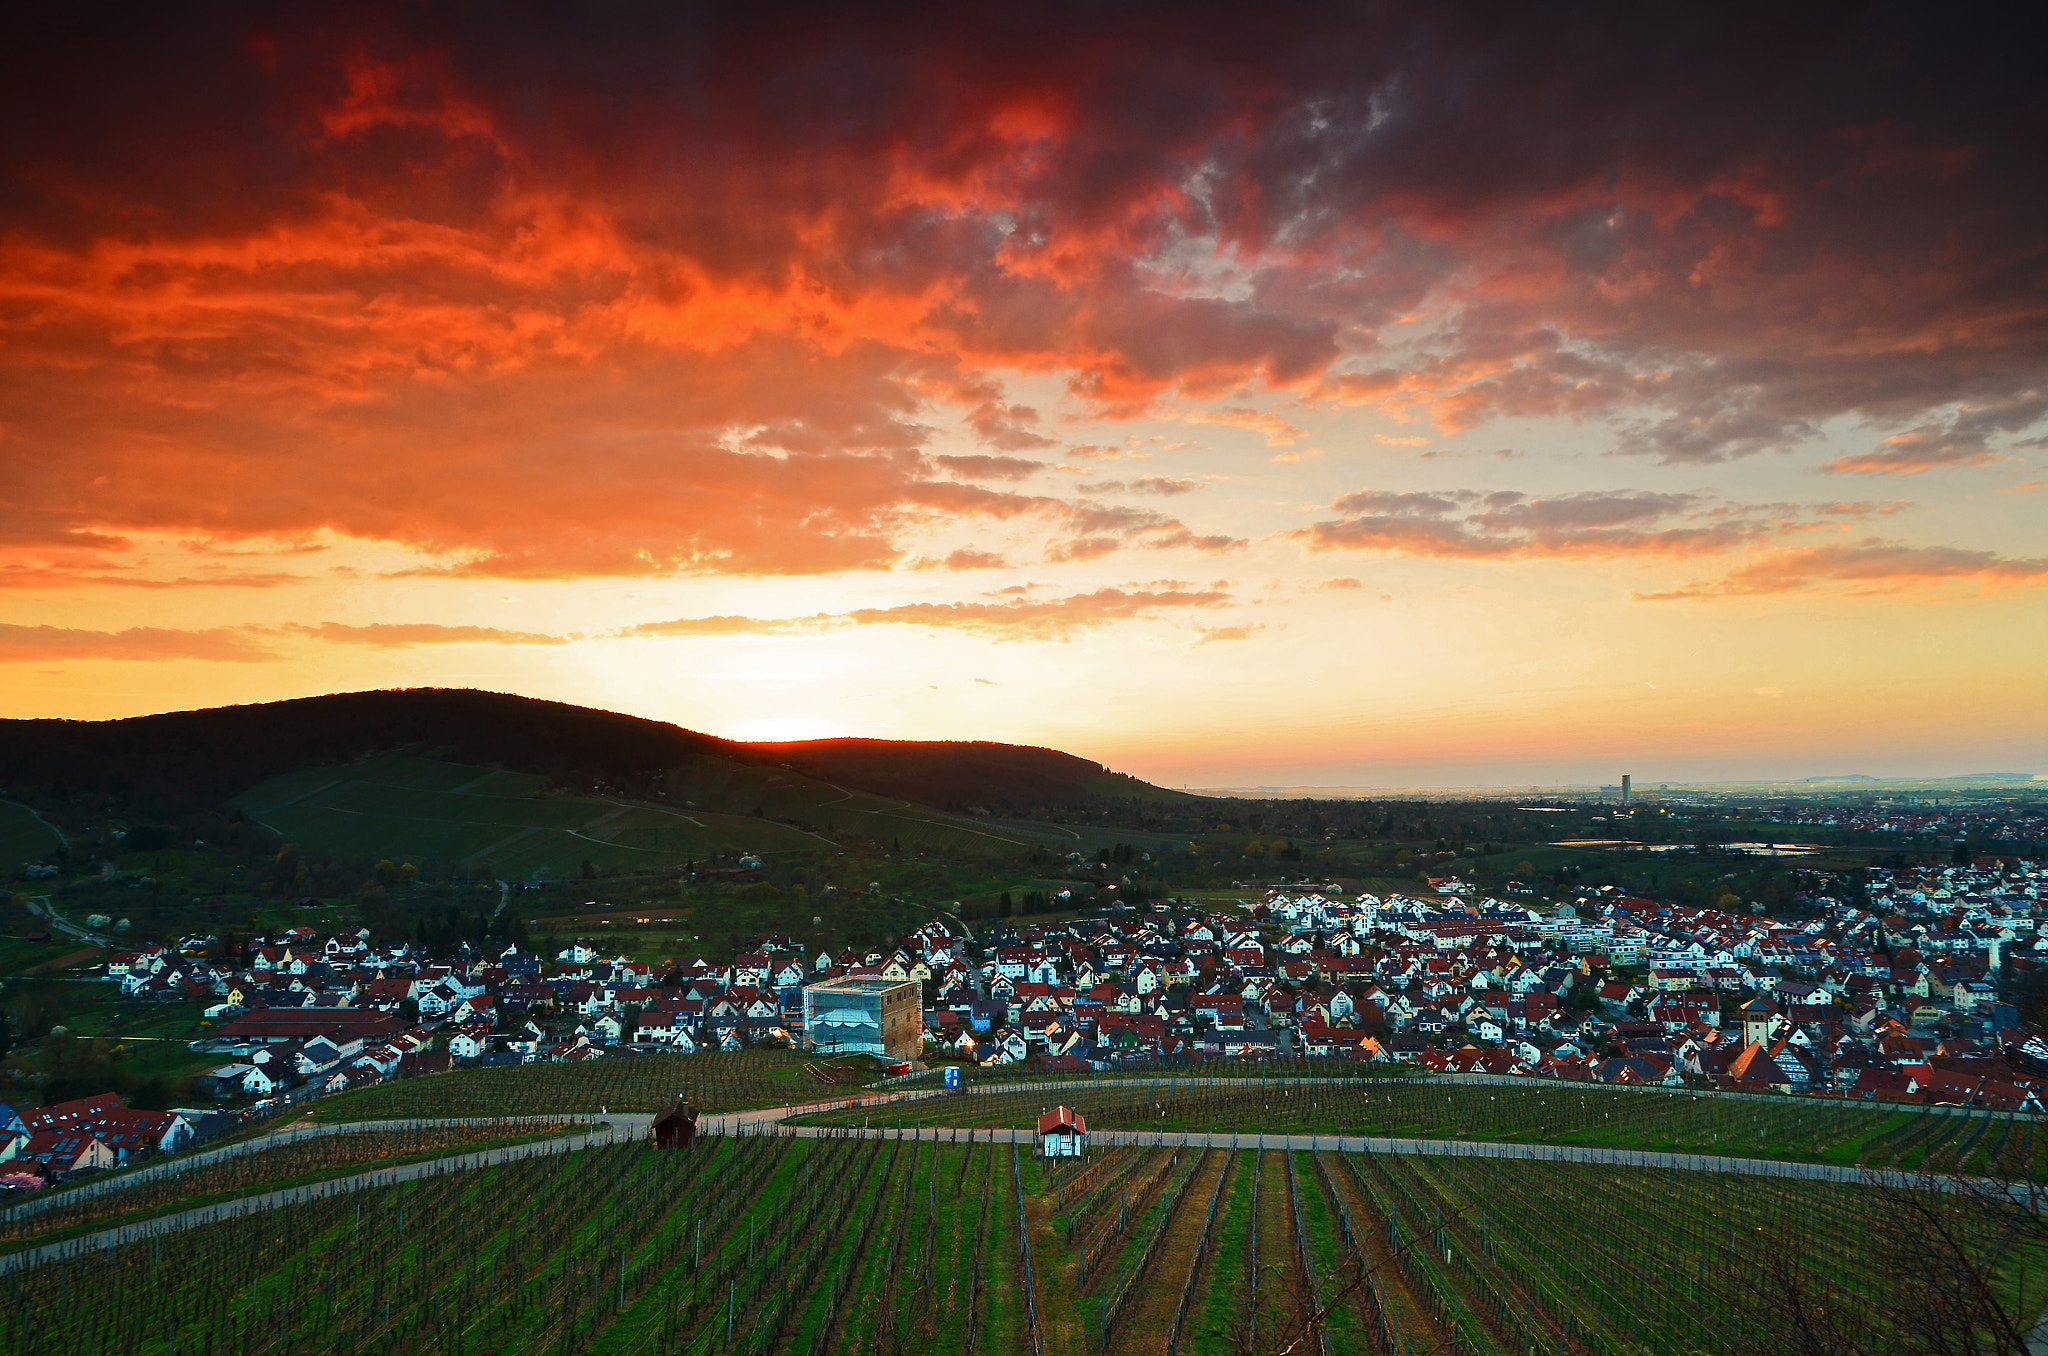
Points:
x=1062 y=1133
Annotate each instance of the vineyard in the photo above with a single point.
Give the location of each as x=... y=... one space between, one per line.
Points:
x=311 y=1159
x=1185 y=1066
x=1554 y=1113
x=628 y=1083
x=885 y=1245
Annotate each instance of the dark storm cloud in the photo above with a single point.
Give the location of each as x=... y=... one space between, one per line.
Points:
x=646 y=287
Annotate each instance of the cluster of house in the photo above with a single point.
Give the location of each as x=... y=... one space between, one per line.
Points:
x=50 y=1142
x=1977 y=822
x=1898 y=999
x=326 y=1014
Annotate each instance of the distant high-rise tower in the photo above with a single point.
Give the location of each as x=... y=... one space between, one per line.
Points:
x=1624 y=786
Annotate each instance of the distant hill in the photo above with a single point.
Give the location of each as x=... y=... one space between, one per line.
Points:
x=167 y=764
x=957 y=775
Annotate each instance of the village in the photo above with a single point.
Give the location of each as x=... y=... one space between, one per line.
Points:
x=1901 y=1001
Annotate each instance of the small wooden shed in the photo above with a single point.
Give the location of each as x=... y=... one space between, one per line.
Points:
x=1062 y=1133
x=676 y=1127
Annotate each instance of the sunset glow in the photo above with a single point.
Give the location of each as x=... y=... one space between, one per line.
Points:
x=1231 y=397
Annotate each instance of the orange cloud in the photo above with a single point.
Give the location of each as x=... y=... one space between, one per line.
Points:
x=1017 y=619
x=19 y=644
x=966 y=558
x=404 y=635
x=990 y=468
x=1052 y=619
x=1871 y=566
x=721 y=626
x=1160 y=485
x=1213 y=634
x=1963 y=440
x=1276 y=431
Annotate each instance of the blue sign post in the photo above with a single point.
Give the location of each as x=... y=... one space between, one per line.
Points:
x=953 y=1077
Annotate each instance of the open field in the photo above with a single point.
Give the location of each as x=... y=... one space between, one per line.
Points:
x=781 y=1245
x=712 y=1081
x=20 y=956
x=1727 y=1124
x=258 y=1169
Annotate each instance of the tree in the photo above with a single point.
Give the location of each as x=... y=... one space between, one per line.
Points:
x=286 y=867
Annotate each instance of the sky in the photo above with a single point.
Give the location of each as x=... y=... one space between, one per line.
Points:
x=1235 y=395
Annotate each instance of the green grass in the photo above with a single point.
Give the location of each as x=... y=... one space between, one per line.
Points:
x=1227 y=1262
x=19 y=955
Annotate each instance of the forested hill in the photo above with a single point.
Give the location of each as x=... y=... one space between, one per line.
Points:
x=959 y=774
x=188 y=760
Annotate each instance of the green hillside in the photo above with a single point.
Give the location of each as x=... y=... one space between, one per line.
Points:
x=427 y=810
x=783 y=793
x=424 y=810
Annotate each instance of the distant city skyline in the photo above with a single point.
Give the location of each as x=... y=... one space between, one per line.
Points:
x=1318 y=396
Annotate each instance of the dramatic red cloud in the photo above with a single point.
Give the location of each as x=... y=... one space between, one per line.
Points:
x=690 y=289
